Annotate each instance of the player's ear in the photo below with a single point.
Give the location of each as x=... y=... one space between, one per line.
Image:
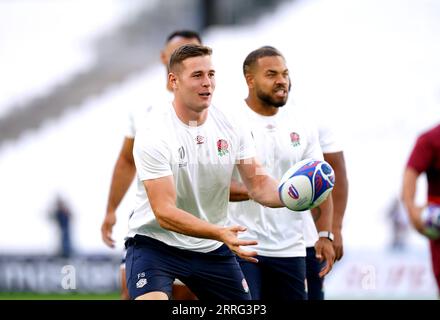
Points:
x=249 y=79
x=172 y=80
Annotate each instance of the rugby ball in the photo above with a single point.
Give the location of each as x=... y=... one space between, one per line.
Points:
x=431 y=221
x=306 y=185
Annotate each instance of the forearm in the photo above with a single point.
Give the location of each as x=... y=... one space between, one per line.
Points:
x=323 y=215
x=264 y=190
x=122 y=178
x=340 y=190
x=261 y=187
x=409 y=188
x=174 y=219
x=238 y=191
x=408 y=196
x=340 y=196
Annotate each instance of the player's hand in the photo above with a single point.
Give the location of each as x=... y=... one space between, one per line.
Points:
x=229 y=237
x=338 y=245
x=325 y=252
x=107 y=228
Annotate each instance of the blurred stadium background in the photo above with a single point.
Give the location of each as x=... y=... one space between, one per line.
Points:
x=69 y=70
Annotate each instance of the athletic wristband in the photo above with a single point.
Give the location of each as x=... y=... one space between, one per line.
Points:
x=326 y=234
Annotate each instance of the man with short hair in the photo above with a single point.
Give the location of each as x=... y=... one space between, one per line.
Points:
x=184 y=157
x=282 y=137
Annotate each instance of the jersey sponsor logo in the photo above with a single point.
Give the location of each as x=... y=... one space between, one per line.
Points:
x=182 y=154
x=295 y=139
x=222 y=147
x=200 y=139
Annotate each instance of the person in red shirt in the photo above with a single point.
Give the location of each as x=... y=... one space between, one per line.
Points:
x=424 y=158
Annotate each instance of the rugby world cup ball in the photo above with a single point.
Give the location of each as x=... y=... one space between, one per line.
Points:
x=431 y=221
x=306 y=185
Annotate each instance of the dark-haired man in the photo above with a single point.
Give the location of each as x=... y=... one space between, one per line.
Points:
x=184 y=157
x=282 y=137
x=124 y=170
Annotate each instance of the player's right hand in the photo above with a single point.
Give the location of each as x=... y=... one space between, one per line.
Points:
x=107 y=228
x=229 y=237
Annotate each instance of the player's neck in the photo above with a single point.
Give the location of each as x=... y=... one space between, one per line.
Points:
x=189 y=116
x=260 y=107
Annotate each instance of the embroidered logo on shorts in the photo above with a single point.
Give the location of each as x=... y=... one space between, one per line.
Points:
x=245 y=285
x=141 y=283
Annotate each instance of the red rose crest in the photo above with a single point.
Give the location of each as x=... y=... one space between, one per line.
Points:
x=294 y=138
x=222 y=147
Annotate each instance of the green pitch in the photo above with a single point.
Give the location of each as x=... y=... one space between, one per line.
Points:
x=54 y=296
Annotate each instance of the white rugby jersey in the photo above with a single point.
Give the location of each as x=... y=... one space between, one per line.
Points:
x=200 y=159
x=281 y=141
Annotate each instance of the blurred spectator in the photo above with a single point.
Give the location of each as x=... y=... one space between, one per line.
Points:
x=62 y=216
x=399 y=225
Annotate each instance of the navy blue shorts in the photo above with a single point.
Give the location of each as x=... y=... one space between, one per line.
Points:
x=315 y=284
x=153 y=265
x=276 y=279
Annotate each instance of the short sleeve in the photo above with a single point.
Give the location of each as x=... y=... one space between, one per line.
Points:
x=152 y=156
x=328 y=139
x=421 y=155
x=130 y=130
x=313 y=149
x=246 y=148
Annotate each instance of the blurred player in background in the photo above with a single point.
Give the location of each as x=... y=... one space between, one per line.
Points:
x=282 y=138
x=124 y=170
x=425 y=158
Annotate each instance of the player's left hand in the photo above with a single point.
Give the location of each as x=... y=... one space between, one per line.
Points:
x=338 y=245
x=325 y=252
x=229 y=236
